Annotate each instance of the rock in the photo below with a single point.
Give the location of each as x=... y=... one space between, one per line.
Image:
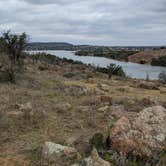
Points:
x=43 y=67
x=24 y=107
x=93 y=160
x=163 y=91
x=149 y=101
x=75 y=90
x=104 y=109
x=118 y=111
x=145 y=135
x=61 y=107
x=84 y=108
x=104 y=87
x=69 y=75
x=59 y=155
x=106 y=99
x=81 y=143
x=148 y=85
x=14 y=114
x=27 y=112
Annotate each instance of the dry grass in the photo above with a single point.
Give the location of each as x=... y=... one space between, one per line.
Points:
x=44 y=90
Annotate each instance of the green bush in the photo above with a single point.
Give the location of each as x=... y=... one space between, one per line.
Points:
x=161 y=61
x=162 y=77
x=112 y=69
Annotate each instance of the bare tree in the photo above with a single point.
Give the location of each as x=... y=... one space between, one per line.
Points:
x=13 y=45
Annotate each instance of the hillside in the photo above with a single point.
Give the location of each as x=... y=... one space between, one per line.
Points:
x=146 y=56
x=74 y=105
x=49 y=46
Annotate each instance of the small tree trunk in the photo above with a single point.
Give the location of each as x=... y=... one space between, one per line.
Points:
x=109 y=75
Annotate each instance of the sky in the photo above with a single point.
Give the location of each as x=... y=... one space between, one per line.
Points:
x=96 y=22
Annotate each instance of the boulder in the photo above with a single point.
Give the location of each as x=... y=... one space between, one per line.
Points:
x=106 y=99
x=61 y=107
x=93 y=160
x=118 y=111
x=144 y=135
x=27 y=112
x=24 y=107
x=57 y=154
x=14 y=114
x=104 y=109
x=75 y=90
x=148 y=85
x=104 y=87
x=81 y=143
x=163 y=91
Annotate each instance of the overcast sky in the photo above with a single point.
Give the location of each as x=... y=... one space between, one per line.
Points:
x=101 y=22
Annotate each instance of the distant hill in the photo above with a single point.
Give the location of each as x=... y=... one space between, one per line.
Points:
x=50 y=46
x=147 y=56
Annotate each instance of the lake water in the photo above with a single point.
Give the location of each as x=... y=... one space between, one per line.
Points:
x=132 y=70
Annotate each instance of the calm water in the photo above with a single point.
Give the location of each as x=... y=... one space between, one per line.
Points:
x=131 y=69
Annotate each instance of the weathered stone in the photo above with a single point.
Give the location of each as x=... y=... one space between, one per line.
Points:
x=23 y=107
x=117 y=111
x=93 y=160
x=81 y=143
x=14 y=114
x=104 y=87
x=104 y=109
x=148 y=85
x=63 y=107
x=106 y=99
x=27 y=112
x=163 y=91
x=59 y=154
x=145 y=135
x=75 y=90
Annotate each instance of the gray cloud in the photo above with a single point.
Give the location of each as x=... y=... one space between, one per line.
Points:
x=105 y=22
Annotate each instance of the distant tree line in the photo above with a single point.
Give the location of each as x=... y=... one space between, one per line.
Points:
x=113 y=54
x=161 y=61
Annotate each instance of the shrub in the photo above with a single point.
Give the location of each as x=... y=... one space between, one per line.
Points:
x=97 y=141
x=112 y=69
x=161 y=61
x=162 y=77
x=115 y=70
x=12 y=45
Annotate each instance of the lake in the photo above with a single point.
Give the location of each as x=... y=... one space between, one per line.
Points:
x=132 y=70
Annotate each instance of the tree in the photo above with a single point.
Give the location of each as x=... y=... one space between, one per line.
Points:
x=115 y=70
x=13 y=45
x=162 y=77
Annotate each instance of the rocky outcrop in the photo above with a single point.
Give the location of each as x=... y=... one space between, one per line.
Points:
x=81 y=143
x=93 y=160
x=57 y=154
x=63 y=107
x=106 y=99
x=145 y=135
x=104 y=87
x=148 y=85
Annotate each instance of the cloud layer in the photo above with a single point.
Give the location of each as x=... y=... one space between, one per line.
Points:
x=102 y=22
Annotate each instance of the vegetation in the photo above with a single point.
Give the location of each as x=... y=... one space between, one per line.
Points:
x=162 y=77
x=113 y=54
x=51 y=59
x=161 y=61
x=12 y=45
x=55 y=95
x=112 y=69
